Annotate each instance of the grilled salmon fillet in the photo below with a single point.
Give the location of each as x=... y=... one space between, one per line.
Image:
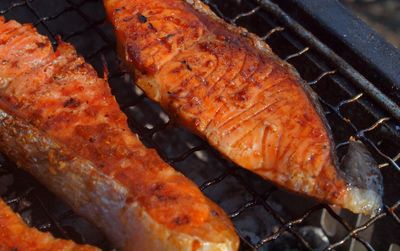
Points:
x=16 y=235
x=59 y=121
x=227 y=86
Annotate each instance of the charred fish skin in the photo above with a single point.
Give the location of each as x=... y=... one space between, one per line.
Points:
x=227 y=86
x=16 y=235
x=59 y=122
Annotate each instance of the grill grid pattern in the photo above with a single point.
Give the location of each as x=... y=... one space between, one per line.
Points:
x=262 y=218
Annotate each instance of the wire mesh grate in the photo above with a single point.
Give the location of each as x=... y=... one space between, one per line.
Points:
x=266 y=217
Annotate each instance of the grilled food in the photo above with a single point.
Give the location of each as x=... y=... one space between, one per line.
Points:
x=227 y=86
x=16 y=235
x=59 y=121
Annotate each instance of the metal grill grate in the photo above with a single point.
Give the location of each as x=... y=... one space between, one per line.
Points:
x=266 y=217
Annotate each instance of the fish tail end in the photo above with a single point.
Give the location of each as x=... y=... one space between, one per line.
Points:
x=364 y=180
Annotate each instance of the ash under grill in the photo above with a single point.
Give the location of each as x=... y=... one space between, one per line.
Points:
x=266 y=217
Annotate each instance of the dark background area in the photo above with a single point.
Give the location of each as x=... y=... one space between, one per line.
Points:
x=382 y=15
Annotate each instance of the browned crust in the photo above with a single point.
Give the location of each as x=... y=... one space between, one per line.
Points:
x=102 y=200
x=200 y=27
x=61 y=123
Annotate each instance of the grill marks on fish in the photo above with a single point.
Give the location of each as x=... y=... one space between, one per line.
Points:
x=60 y=95
x=249 y=104
x=16 y=235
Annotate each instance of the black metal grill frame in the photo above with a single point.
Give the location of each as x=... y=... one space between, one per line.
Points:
x=380 y=116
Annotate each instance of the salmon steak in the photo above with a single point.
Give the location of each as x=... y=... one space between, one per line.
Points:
x=228 y=87
x=16 y=235
x=60 y=122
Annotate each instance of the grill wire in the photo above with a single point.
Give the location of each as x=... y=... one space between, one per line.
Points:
x=266 y=217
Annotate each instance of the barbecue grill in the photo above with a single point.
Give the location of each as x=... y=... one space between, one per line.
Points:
x=354 y=72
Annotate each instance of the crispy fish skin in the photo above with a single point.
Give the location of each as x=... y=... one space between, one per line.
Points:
x=16 y=235
x=227 y=86
x=59 y=121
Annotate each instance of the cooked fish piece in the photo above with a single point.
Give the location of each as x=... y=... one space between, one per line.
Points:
x=59 y=121
x=226 y=85
x=16 y=235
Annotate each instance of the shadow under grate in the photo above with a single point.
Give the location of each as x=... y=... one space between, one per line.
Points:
x=266 y=217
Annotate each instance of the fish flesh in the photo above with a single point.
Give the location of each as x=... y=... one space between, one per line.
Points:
x=16 y=235
x=60 y=122
x=227 y=86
